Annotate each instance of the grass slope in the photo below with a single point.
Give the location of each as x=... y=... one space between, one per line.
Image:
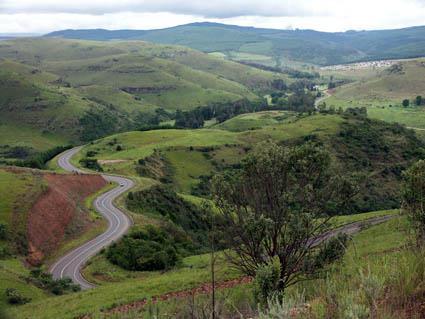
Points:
x=127 y=287
x=384 y=92
x=48 y=85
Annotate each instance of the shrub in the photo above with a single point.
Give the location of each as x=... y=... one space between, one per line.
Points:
x=266 y=284
x=144 y=250
x=39 y=160
x=406 y=102
x=4 y=252
x=91 y=153
x=3 y=231
x=414 y=199
x=91 y=163
x=14 y=297
x=164 y=201
x=55 y=286
x=286 y=308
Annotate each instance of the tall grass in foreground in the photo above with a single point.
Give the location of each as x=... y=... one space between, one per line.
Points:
x=395 y=289
x=387 y=287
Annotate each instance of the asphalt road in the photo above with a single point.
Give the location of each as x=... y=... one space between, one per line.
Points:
x=349 y=229
x=70 y=265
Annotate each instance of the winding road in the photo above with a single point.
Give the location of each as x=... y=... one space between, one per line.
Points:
x=70 y=265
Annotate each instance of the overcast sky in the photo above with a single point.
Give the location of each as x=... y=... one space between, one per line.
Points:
x=41 y=16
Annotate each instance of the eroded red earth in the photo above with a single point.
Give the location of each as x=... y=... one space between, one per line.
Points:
x=59 y=212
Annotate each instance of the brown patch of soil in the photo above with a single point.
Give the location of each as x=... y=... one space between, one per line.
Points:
x=106 y=162
x=205 y=288
x=57 y=209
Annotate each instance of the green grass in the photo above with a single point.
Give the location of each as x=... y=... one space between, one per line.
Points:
x=381 y=110
x=374 y=250
x=373 y=247
x=11 y=273
x=253 y=121
x=383 y=92
x=348 y=219
x=187 y=167
x=18 y=190
x=21 y=135
x=49 y=84
x=137 y=145
x=13 y=187
x=192 y=273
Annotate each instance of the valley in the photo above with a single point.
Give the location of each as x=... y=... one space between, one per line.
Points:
x=212 y=171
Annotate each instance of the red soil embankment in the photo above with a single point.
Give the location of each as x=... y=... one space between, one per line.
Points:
x=57 y=210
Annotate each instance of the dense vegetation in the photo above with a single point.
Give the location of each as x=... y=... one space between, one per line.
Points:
x=163 y=202
x=413 y=203
x=221 y=112
x=269 y=219
x=148 y=249
x=375 y=151
x=183 y=229
x=300 y=45
x=28 y=157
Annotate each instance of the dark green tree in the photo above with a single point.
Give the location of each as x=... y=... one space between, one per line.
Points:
x=276 y=206
x=406 y=102
x=419 y=100
x=414 y=199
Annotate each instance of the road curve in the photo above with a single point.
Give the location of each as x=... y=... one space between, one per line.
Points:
x=70 y=265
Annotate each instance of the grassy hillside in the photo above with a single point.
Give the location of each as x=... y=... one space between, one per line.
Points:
x=180 y=158
x=195 y=271
x=18 y=191
x=34 y=211
x=384 y=92
x=61 y=91
x=188 y=158
x=275 y=47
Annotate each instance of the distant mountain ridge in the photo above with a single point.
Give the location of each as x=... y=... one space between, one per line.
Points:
x=273 y=46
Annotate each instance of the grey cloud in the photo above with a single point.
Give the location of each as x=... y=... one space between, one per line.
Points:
x=208 y=9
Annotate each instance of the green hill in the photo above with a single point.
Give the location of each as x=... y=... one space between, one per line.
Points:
x=182 y=161
x=271 y=46
x=188 y=158
x=55 y=91
x=384 y=92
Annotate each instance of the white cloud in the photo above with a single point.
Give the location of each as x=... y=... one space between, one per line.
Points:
x=327 y=15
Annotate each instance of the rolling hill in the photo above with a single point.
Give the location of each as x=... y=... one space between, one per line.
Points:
x=382 y=93
x=187 y=158
x=56 y=91
x=275 y=47
x=377 y=149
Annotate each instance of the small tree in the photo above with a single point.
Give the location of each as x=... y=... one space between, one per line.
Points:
x=3 y=231
x=276 y=206
x=414 y=199
x=406 y=102
x=419 y=100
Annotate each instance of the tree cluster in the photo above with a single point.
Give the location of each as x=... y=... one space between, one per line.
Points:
x=222 y=112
